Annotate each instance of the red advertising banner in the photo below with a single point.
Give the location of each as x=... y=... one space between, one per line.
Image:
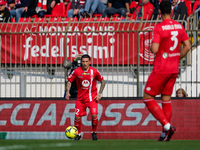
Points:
x=48 y=43
x=118 y=119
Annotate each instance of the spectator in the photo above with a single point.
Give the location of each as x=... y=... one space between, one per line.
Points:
x=181 y=93
x=40 y=7
x=77 y=8
x=16 y=8
x=120 y=7
x=196 y=8
x=4 y=12
x=93 y=6
x=144 y=9
x=105 y=2
x=179 y=10
x=156 y=4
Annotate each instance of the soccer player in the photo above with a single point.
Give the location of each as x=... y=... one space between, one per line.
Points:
x=167 y=38
x=87 y=96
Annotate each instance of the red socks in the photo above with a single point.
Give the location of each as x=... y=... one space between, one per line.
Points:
x=156 y=111
x=77 y=124
x=94 y=124
x=167 y=109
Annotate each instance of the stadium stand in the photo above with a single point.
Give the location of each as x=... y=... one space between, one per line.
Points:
x=61 y=10
x=72 y=19
x=102 y=19
x=189 y=7
x=87 y=19
x=58 y=10
x=55 y=19
x=118 y=18
x=40 y=20
x=97 y=15
x=68 y=7
x=24 y=19
x=195 y=6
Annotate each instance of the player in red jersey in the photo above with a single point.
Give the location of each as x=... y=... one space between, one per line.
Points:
x=87 y=96
x=167 y=38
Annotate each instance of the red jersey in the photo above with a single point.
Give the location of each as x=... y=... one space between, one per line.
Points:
x=169 y=34
x=86 y=83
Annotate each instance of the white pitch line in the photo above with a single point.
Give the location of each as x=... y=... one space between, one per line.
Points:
x=13 y=147
x=38 y=146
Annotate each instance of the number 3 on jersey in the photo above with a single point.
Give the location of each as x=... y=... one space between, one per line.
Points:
x=174 y=38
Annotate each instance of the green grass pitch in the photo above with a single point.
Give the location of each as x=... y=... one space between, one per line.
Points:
x=98 y=145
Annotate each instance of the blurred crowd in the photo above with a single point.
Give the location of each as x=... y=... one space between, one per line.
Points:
x=13 y=10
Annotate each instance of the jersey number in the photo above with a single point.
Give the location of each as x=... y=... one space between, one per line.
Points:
x=77 y=111
x=174 y=38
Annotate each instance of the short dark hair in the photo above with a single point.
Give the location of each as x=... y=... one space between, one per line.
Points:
x=85 y=56
x=165 y=7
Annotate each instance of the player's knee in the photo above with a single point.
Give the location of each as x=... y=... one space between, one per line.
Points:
x=165 y=97
x=147 y=96
x=77 y=118
x=94 y=116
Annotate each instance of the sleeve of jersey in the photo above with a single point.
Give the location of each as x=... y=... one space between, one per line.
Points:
x=185 y=36
x=156 y=35
x=71 y=77
x=99 y=77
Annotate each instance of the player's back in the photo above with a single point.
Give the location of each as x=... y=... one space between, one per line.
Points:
x=169 y=34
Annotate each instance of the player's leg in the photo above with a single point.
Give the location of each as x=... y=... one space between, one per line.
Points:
x=77 y=124
x=154 y=86
x=94 y=123
x=156 y=110
x=94 y=127
x=167 y=108
x=80 y=111
x=93 y=106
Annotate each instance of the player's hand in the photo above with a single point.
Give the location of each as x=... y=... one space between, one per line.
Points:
x=67 y=96
x=98 y=97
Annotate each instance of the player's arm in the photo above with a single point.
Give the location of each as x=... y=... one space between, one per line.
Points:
x=155 y=47
x=67 y=96
x=185 y=49
x=98 y=97
x=156 y=40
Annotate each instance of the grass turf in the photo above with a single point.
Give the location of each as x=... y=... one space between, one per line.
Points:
x=98 y=145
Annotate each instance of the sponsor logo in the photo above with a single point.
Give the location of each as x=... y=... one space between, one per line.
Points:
x=174 y=54
x=85 y=83
x=148 y=88
x=48 y=115
x=145 y=44
x=85 y=73
x=165 y=55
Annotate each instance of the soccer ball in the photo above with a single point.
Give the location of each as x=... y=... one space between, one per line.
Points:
x=71 y=132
